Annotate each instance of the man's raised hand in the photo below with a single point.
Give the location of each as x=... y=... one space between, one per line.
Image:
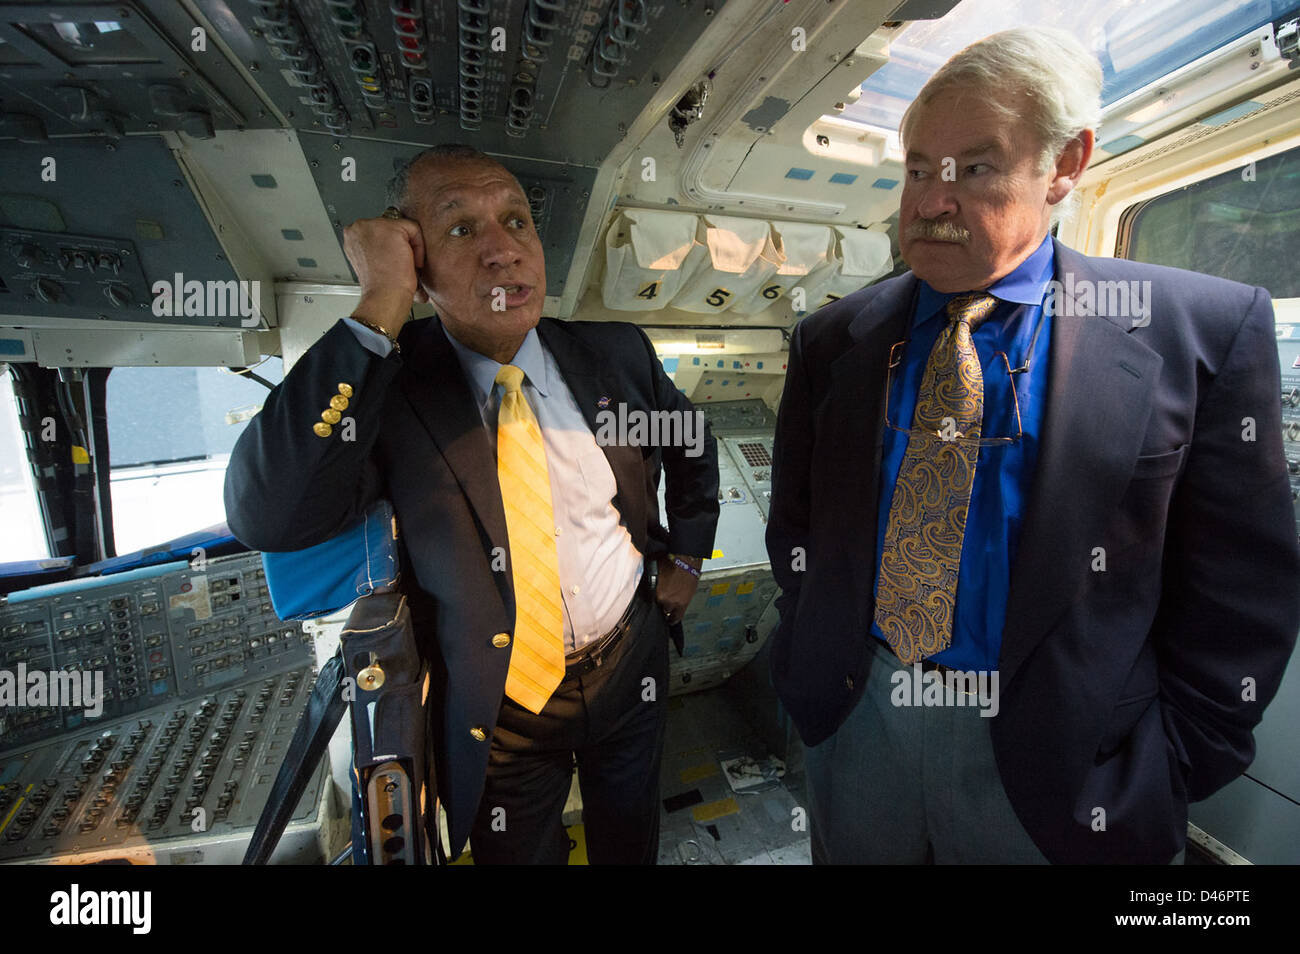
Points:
x=387 y=254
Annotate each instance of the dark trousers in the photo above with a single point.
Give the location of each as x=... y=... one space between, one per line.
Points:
x=612 y=720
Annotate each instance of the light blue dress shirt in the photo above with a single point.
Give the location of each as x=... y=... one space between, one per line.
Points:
x=1004 y=473
x=599 y=564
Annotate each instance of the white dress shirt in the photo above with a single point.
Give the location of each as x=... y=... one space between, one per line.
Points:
x=599 y=564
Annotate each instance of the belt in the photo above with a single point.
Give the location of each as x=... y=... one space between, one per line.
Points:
x=594 y=653
x=929 y=665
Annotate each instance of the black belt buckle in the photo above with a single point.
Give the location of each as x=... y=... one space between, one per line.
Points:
x=594 y=653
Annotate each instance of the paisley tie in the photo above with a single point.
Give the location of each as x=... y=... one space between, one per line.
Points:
x=917 y=582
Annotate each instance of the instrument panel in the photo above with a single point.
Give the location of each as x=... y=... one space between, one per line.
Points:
x=88 y=90
x=732 y=612
x=149 y=715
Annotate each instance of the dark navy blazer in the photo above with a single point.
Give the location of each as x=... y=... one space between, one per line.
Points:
x=1120 y=690
x=418 y=440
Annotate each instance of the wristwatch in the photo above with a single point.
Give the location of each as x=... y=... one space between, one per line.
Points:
x=374 y=327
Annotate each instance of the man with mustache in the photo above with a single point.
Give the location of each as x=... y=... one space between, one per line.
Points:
x=927 y=230
x=974 y=475
x=528 y=546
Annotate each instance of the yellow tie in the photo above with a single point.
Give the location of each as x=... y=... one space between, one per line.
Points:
x=537 y=659
x=917 y=591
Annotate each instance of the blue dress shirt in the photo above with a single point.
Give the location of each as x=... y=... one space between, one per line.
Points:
x=1004 y=473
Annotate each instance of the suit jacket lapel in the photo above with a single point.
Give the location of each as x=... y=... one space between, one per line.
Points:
x=857 y=387
x=1101 y=383
x=442 y=400
x=580 y=366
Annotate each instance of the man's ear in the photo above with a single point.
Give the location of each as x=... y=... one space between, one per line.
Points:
x=1070 y=166
x=425 y=292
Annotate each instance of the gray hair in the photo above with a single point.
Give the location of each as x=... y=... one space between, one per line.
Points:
x=1054 y=71
x=398 y=193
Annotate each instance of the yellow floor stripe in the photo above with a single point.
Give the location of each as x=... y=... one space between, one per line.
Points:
x=697 y=772
x=711 y=810
x=14 y=811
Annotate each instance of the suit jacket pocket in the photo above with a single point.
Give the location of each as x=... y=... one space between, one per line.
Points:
x=1132 y=805
x=1159 y=465
x=1123 y=719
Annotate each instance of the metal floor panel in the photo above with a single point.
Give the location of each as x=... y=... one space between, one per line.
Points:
x=703 y=821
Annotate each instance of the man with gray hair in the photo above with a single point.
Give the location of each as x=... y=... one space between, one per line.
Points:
x=986 y=467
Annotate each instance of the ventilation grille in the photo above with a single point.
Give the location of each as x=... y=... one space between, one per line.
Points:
x=755 y=454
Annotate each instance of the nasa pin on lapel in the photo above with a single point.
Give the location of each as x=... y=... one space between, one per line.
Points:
x=603 y=402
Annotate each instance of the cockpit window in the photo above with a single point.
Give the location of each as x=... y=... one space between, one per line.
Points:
x=1243 y=224
x=1136 y=41
x=170 y=433
x=20 y=515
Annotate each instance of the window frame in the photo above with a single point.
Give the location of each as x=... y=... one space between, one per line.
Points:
x=1129 y=214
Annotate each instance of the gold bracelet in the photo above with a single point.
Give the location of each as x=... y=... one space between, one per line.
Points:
x=374 y=327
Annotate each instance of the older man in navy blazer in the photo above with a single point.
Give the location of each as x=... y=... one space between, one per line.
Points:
x=1049 y=487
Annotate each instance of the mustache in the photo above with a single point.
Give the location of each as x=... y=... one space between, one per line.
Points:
x=937 y=230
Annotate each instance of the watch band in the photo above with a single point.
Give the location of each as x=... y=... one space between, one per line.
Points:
x=374 y=327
